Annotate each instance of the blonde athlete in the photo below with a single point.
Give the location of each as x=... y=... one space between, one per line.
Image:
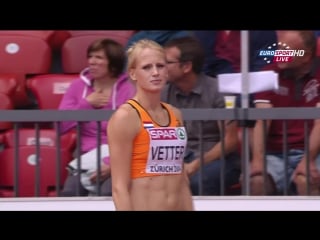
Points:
x=147 y=140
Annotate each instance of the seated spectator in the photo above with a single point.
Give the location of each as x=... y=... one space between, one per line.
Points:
x=188 y=87
x=159 y=36
x=299 y=82
x=223 y=54
x=100 y=86
x=223 y=50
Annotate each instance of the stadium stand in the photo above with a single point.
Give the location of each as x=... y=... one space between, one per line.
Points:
x=48 y=89
x=20 y=167
x=5 y=104
x=23 y=54
x=73 y=53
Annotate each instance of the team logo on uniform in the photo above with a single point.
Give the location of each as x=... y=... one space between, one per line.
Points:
x=181 y=133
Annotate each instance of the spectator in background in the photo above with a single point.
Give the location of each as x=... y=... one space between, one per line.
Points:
x=100 y=86
x=223 y=50
x=223 y=54
x=299 y=86
x=190 y=88
x=159 y=36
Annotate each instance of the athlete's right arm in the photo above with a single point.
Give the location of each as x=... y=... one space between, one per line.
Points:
x=123 y=126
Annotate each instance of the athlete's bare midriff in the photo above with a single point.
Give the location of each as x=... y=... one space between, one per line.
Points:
x=170 y=192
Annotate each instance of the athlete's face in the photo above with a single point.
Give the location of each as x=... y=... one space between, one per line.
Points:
x=150 y=71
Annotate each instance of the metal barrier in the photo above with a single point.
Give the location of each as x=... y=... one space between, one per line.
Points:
x=56 y=116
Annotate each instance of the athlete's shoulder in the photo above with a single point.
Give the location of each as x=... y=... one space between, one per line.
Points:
x=177 y=113
x=173 y=108
x=118 y=123
x=124 y=111
x=168 y=105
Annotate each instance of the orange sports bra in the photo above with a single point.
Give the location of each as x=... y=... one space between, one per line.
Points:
x=157 y=150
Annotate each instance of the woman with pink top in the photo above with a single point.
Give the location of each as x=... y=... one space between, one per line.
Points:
x=100 y=86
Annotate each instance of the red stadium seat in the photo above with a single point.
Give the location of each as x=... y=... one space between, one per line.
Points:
x=46 y=35
x=58 y=38
x=27 y=169
x=74 y=49
x=22 y=55
x=1 y=138
x=318 y=46
x=49 y=89
x=27 y=156
x=8 y=84
x=121 y=36
x=5 y=104
x=54 y=38
x=27 y=137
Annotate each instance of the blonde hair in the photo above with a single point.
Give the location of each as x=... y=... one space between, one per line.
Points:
x=135 y=49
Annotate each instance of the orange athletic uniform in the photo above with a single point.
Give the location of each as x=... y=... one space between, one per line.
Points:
x=157 y=150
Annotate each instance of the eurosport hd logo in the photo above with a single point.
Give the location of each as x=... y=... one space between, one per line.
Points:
x=279 y=52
